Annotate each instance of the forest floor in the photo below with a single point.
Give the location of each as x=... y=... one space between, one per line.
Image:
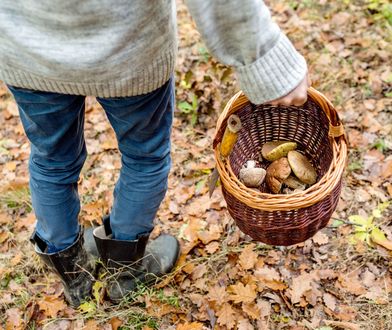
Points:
x=224 y=280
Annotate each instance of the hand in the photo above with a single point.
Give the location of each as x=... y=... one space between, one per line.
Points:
x=297 y=96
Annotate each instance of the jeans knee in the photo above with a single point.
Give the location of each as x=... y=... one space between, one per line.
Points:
x=59 y=171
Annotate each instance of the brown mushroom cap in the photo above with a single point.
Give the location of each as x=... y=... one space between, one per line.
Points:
x=277 y=149
x=277 y=172
x=302 y=167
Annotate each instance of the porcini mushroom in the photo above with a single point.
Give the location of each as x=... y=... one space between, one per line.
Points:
x=277 y=172
x=302 y=167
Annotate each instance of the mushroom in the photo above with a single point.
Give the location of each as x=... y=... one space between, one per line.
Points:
x=294 y=183
x=230 y=135
x=302 y=167
x=277 y=172
x=277 y=149
x=252 y=176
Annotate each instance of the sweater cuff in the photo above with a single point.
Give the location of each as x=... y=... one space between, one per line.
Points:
x=273 y=75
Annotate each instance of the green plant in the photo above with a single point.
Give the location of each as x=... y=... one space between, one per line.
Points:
x=16 y=199
x=190 y=108
x=380 y=9
x=366 y=230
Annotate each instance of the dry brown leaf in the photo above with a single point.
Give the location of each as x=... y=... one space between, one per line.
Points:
x=212 y=234
x=199 y=271
x=4 y=218
x=16 y=259
x=217 y=293
x=14 y=319
x=243 y=294
x=159 y=309
x=25 y=222
x=91 y=325
x=320 y=238
x=251 y=310
x=212 y=247
x=351 y=284
x=345 y=313
x=59 y=325
x=387 y=169
x=300 y=285
x=3 y=236
x=343 y=325
x=226 y=316
x=190 y=326
x=244 y=324
x=115 y=322
x=264 y=307
x=51 y=305
x=329 y=301
x=248 y=257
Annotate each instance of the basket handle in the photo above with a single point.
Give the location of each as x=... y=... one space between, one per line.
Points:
x=336 y=128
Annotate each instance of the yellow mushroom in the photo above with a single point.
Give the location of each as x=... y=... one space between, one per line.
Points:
x=274 y=150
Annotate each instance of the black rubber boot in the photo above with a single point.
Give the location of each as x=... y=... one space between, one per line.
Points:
x=129 y=263
x=74 y=267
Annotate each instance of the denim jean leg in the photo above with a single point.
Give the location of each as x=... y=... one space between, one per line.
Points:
x=142 y=125
x=54 y=125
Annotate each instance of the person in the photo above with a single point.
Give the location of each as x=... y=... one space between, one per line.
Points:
x=53 y=53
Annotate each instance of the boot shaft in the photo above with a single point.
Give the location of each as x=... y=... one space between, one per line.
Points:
x=116 y=253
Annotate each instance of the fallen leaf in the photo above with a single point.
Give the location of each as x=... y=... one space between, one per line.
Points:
x=251 y=310
x=199 y=271
x=14 y=319
x=217 y=293
x=59 y=325
x=320 y=238
x=190 y=326
x=115 y=322
x=343 y=325
x=300 y=285
x=226 y=316
x=244 y=324
x=243 y=294
x=91 y=325
x=351 y=284
x=212 y=247
x=51 y=305
x=248 y=257
x=213 y=233
x=329 y=301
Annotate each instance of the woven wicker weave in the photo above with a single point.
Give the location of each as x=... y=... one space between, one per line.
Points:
x=279 y=219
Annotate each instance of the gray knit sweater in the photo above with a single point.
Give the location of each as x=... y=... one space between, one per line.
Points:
x=121 y=48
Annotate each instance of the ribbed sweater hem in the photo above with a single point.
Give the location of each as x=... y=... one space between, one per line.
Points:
x=274 y=75
x=131 y=83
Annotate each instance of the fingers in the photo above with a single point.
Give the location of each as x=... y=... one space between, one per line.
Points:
x=297 y=96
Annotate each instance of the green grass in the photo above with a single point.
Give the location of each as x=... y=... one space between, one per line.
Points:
x=16 y=199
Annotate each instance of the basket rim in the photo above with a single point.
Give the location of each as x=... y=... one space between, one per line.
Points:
x=283 y=202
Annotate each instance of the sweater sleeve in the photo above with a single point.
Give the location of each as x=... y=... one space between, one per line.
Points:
x=242 y=34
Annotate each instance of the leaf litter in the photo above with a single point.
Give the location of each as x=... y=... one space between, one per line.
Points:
x=339 y=279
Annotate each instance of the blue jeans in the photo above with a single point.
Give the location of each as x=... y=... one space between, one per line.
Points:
x=54 y=123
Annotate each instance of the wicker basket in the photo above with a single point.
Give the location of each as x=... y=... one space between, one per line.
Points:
x=279 y=219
